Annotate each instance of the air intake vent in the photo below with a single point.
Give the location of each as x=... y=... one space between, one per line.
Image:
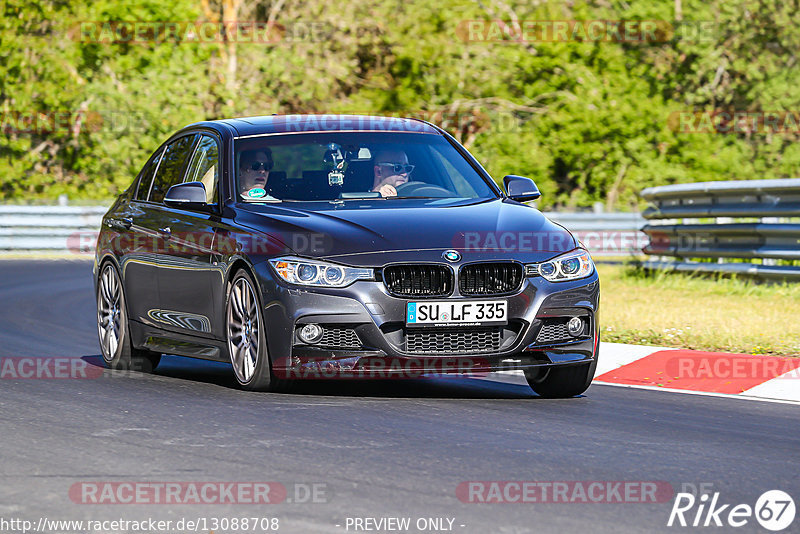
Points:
x=418 y=280
x=452 y=341
x=554 y=330
x=339 y=338
x=490 y=278
x=333 y=337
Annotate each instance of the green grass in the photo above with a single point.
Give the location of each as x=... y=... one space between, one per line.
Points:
x=698 y=312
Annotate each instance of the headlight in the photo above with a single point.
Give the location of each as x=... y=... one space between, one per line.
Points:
x=571 y=266
x=318 y=273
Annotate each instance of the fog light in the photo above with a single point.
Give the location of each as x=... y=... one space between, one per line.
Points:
x=311 y=333
x=575 y=326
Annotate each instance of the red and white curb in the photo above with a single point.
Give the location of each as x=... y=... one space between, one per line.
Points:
x=757 y=377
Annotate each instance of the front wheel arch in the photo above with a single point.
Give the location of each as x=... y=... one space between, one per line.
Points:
x=263 y=378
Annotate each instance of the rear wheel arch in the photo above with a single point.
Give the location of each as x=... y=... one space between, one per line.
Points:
x=124 y=356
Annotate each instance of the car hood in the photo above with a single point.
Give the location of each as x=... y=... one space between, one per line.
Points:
x=360 y=229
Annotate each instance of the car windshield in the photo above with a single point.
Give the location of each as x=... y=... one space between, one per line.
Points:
x=353 y=165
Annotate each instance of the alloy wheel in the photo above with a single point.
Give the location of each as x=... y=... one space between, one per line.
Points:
x=109 y=312
x=244 y=334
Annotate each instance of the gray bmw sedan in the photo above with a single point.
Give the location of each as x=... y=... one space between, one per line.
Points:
x=333 y=246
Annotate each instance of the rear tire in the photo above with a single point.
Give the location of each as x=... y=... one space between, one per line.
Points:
x=113 y=328
x=562 y=382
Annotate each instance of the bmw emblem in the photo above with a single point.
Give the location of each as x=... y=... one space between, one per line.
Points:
x=451 y=255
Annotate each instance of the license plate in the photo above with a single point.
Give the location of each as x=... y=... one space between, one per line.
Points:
x=461 y=313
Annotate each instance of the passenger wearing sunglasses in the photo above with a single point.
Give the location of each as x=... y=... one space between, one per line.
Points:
x=254 y=167
x=391 y=170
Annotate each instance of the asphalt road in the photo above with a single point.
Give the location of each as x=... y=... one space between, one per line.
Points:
x=377 y=450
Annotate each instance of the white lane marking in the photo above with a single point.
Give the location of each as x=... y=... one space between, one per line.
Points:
x=704 y=393
x=786 y=387
x=516 y=377
x=615 y=355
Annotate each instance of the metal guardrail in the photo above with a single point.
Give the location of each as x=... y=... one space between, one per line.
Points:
x=756 y=222
x=586 y=221
x=73 y=229
x=47 y=228
x=605 y=234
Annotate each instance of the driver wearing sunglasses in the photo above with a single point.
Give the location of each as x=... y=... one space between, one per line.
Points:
x=391 y=170
x=254 y=167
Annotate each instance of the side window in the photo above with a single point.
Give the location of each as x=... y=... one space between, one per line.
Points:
x=147 y=178
x=205 y=167
x=173 y=163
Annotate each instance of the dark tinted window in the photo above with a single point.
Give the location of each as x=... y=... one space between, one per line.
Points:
x=205 y=167
x=173 y=163
x=147 y=178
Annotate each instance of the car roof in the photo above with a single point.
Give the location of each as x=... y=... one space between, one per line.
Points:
x=278 y=124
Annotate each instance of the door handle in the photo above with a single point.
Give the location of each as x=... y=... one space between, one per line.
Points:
x=123 y=223
x=165 y=232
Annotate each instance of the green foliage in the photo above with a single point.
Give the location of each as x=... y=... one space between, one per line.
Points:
x=588 y=121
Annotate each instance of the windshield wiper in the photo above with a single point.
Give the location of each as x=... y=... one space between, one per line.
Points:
x=399 y=197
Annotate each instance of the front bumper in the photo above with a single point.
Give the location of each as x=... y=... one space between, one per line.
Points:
x=378 y=321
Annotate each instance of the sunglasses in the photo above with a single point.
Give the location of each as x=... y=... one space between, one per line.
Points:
x=399 y=168
x=258 y=165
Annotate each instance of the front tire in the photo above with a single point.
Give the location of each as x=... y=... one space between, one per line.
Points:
x=246 y=336
x=113 y=329
x=562 y=382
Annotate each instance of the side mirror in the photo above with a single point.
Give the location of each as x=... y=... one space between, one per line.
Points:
x=520 y=188
x=191 y=195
